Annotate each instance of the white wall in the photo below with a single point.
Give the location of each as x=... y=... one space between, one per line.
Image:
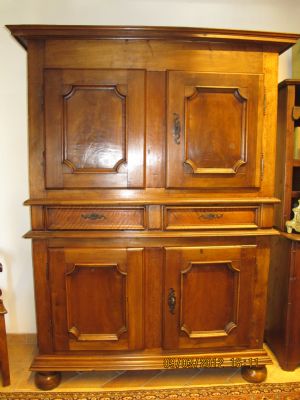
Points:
x=15 y=253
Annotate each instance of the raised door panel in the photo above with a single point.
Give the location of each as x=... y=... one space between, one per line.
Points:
x=96 y=298
x=208 y=296
x=94 y=124
x=214 y=130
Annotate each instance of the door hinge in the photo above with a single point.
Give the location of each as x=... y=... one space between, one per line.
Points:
x=262 y=165
x=41 y=96
x=44 y=163
x=265 y=101
x=47 y=271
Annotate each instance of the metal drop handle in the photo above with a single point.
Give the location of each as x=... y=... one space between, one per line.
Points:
x=210 y=216
x=176 y=128
x=172 y=300
x=93 y=216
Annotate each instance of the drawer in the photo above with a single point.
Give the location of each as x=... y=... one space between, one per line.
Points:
x=95 y=218
x=180 y=218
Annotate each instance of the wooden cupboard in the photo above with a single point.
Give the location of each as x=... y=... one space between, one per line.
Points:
x=283 y=326
x=152 y=195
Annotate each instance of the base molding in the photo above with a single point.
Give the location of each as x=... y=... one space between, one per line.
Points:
x=146 y=360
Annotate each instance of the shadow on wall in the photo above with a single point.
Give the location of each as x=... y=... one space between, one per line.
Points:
x=296 y=61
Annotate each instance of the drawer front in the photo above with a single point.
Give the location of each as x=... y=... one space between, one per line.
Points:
x=181 y=218
x=95 y=218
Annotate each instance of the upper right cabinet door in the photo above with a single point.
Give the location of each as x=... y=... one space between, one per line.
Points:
x=214 y=128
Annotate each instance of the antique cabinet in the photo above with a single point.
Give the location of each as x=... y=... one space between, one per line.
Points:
x=152 y=195
x=283 y=325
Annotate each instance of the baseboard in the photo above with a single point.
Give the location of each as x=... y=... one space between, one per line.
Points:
x=21 y=338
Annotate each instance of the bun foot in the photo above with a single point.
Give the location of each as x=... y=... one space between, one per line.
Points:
x=254 y=374
x=47 y=380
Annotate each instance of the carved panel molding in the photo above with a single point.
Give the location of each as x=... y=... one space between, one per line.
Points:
x=215 y=129
x=115 y=317
x=94 y=128
x=225 y=298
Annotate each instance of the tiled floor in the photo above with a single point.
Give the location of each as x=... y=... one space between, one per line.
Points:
x=21 y=355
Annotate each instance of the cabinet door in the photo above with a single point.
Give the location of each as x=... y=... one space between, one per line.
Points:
x=208 y=296
x=214 y=130
x=94 y=125
x=96 y=298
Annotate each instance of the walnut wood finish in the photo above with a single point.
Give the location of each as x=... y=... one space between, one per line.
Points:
x=151 y=236
x=4 y=362
x=220 y=278
x=152 y=193
x=284 y=164
x=93 y=126
x=278 y=41
x=134 y=361
x=177 y=218
x=219 y=120
x=283 y=327
x=114 y=278
x=187 y=56
x=149 y=199
x=95 y=218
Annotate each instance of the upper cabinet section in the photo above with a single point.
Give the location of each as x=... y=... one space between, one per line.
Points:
x=113 y=110
x=214 y=130
x=94 y=128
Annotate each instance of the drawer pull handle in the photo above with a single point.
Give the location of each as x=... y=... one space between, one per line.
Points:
x=211 y=216
x=93 y=216
x=172 y=301
x=176 y=128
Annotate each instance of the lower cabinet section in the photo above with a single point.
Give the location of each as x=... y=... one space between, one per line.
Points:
x=144 y=307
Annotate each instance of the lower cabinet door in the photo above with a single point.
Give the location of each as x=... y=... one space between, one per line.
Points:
x=208 y=296
x=96 y=298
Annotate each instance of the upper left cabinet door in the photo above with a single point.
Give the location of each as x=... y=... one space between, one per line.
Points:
x=94 y=128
